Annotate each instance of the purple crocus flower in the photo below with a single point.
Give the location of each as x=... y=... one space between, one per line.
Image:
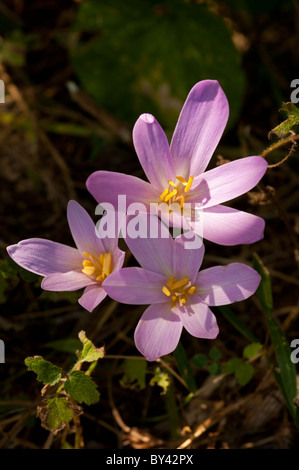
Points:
x=179 y=295
x=68 y=269
x=176 y=173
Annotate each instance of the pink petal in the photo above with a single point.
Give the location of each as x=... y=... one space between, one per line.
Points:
x=187 y=257
x=136 y=286
x=228 y=181
x=228 y=226
x=223 y=285
x=154 y=251
x=158 y=331
x=198 y=319
x=92 y=296
x=70 y=281
x=106 y=186
x=45 y=256
x=83 y=229
x=200 y=126
x=152 y=148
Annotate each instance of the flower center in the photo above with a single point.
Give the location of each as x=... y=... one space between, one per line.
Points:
x=174 y=192
x=99 y=267
x=178 y=290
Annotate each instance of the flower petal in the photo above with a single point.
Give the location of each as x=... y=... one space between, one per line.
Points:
x=135 y=286
x=59 y=282
x=228 y=181
x=200 y=126
x=223 y=285
x=44 y=257
x=107 y=186
x=83 y=229
x=187 y=257
x=154 y=250
x=227 y=226
x=198 y=319
x=158 y=331
x=152 y=148
x=92 y=296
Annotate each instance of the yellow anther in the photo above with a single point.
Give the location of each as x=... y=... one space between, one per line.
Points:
x=188 y=186
x=173 y=298
x=166 y=291
x=99 y=267
x=170 y=282
x=162 y=196
x=182 y=301
x=180 y=283
x=181 y=179
x=171 y=183
x=106 y=264
x=170 y=195
x=191 y=290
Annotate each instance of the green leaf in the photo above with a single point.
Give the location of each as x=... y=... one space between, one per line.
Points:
x=89 y=353
x=215 y=354
x=134 y=373
x=59 y=413
x=264 y=290
x=286 y=126
x=200 y=360
x=82 y=388
x=46 y=372
x=184 y=367
x=252 y=350
x=129 y=68
x=214 y=368
x=67 y=345
x=244 y=373
x=286 y=375
x=160 y=378
x=232 y=365
x=228 y=313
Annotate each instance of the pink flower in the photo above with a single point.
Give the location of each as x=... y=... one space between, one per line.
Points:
x=68 y=269
x=176 y=173
x=179 y=295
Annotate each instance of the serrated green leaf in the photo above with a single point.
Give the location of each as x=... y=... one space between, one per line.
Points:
x=244 y=373
x=286 y=126
x=89 y=353
x=46 y=372
x=215 y=354
x=251 y=350
x=59 y=413
x=160 y=378
x=82 y=388
x=184 y=367
x=134 y=373
x=200 y=360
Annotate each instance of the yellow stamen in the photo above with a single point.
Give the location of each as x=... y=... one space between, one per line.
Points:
x=180 y=283
x=99 y=267
x=107 y=264
x=171 y=183
x=181 y=179
x=191 y=290
x=170 y=195
x=188 y=186
x=170 y=282
x=162 y=196
x=165 y=291
x=89 y=270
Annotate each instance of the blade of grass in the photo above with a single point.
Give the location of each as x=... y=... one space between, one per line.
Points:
x=184 y=367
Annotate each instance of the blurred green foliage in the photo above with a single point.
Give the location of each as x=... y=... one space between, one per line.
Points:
x=145 y=56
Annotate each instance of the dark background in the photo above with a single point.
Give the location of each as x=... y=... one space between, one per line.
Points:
x=123 y=60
